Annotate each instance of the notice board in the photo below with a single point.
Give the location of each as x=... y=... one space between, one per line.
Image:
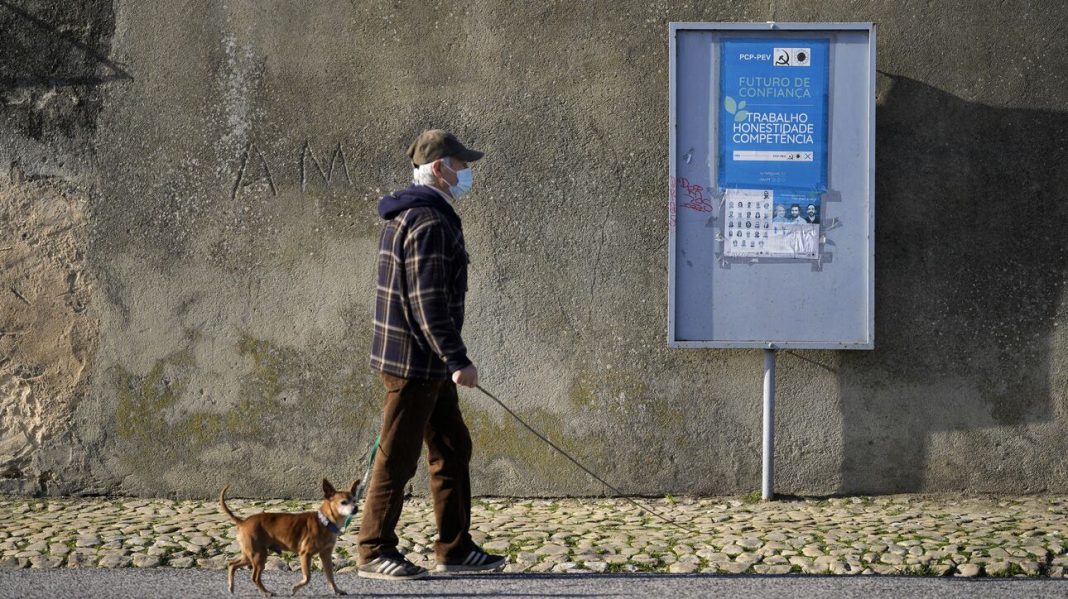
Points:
x=771 y=185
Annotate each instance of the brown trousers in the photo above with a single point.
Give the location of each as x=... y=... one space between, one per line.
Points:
x=419 y=411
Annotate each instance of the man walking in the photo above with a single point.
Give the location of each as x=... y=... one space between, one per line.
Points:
x=420 y=356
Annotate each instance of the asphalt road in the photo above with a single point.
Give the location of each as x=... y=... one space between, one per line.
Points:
x=165 y=582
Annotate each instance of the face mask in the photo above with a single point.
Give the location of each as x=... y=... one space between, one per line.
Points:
x=463 y=182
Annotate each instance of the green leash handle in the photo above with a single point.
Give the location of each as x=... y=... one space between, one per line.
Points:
x=363 y=482
x=370 y=465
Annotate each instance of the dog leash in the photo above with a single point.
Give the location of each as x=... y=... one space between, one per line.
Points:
x=363 y=482
x=374 y=450
x=583 y=468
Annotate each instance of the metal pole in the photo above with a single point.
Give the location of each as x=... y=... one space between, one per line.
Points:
x=768 y=487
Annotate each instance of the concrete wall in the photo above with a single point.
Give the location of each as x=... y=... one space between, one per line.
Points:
x=186 y=297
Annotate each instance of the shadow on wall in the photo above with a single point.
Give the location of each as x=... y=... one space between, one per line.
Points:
x=52 y=55
x=970 y=270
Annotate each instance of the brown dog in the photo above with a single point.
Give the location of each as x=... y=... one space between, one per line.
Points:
x=306 y=534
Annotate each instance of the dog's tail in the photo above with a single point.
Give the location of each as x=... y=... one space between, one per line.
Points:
x=226 y=510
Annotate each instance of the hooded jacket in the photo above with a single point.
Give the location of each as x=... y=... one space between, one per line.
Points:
x=422 y=283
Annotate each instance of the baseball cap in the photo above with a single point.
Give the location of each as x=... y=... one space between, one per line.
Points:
x=434 y=144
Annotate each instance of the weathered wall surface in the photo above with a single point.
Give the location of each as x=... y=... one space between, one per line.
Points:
x=189 y=230
x=53 y=67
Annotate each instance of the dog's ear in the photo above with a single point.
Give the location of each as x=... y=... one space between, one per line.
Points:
x=354 y=487
x=328 y=489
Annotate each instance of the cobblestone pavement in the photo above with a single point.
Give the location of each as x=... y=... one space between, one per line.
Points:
x=903 y=534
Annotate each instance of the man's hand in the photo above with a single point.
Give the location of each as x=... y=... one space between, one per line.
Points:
x=468 y=377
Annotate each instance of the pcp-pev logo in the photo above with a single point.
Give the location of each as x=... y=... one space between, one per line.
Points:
x=792 y=57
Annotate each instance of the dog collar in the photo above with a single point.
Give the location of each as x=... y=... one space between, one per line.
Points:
x=328 y=523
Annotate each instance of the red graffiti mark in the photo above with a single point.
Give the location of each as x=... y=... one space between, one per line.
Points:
x=695 y=193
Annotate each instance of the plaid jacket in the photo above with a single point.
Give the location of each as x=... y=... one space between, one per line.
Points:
x=422 y=281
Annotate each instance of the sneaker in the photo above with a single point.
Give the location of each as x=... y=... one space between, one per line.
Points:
x=476 y=561
x=391 y=566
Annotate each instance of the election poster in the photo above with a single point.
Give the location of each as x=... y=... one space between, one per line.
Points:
x=773 y=146
x=773 y=114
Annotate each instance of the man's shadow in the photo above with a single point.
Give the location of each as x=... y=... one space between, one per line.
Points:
x=970 y=267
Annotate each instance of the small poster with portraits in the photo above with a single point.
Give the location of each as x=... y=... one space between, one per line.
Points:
x=769 y=223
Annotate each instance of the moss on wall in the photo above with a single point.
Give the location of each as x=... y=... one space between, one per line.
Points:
x=163 y=426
